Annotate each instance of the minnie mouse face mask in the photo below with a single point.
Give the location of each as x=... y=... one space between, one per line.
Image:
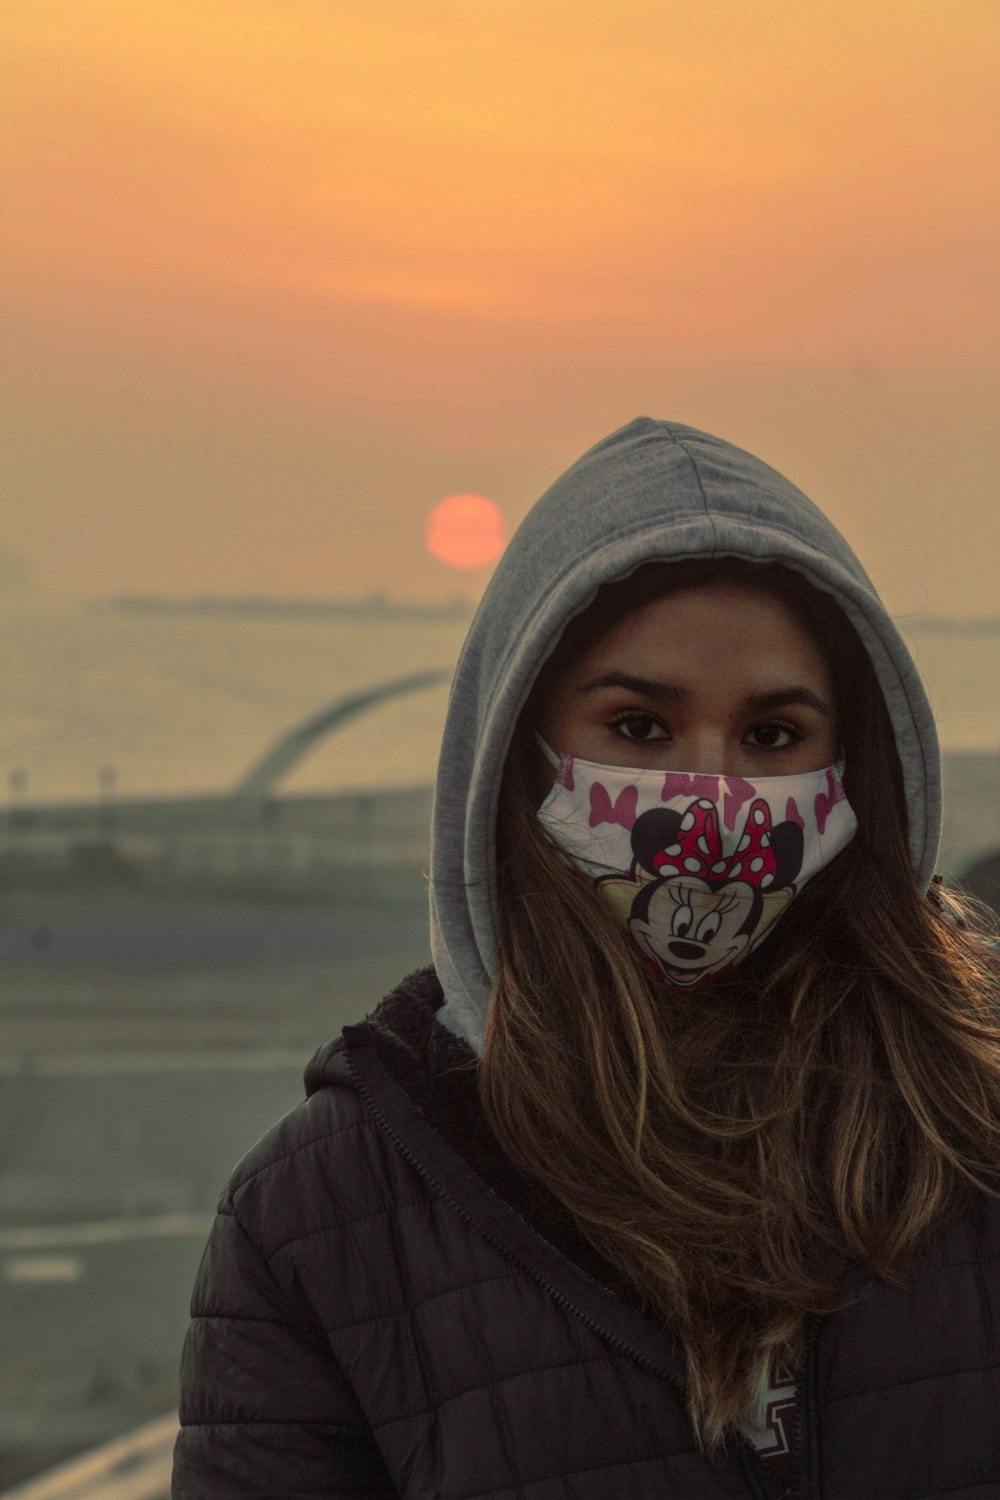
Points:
x=697 y=868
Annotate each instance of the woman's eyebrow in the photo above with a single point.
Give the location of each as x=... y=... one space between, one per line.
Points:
x=786 y=697
x=796 y=694
x=646 y=685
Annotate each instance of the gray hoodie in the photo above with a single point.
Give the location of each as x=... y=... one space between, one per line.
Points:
x=652 y=490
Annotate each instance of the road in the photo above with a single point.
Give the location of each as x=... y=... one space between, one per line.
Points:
x=93 y=1311
x=91 y=1341
x=143 y=1052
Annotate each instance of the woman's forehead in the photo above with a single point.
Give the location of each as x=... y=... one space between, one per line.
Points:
x=715 y=624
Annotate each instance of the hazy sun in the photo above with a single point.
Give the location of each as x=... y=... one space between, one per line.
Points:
x=465 y=531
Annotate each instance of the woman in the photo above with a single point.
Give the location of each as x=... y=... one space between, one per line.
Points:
x=677 y=1175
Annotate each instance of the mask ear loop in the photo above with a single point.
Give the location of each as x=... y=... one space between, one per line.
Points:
x=546 y=749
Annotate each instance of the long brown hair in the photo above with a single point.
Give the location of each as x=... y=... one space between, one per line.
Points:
x=738 y=1154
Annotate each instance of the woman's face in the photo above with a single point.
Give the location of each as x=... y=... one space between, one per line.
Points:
x=718 y=680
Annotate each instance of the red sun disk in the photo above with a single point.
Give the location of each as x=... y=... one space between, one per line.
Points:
x=465 y=531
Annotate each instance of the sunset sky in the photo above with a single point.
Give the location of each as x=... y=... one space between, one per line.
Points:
x=279 y=275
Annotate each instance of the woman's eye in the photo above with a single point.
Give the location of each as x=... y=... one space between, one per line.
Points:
x=639 y=727
x=773 y=736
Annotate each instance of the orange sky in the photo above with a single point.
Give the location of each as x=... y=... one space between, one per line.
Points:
x=282 y=273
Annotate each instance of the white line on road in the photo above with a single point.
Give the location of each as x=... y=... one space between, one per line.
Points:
x=134 y=1467
x=104 y=1231
x=43 y=1268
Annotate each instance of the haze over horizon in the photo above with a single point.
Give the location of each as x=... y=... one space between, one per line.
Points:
x=281 y=278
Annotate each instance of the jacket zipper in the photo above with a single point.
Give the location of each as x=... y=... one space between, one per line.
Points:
x=760 y=1482
x=804 y=1489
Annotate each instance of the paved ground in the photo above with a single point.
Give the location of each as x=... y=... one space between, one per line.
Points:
x=146 y=1041
x=91 y=1343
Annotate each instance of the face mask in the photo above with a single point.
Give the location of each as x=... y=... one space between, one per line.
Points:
x=697 y=868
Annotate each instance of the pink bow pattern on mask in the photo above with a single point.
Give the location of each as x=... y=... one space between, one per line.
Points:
x=698 y=849
x=827 y=801
x=622 y=811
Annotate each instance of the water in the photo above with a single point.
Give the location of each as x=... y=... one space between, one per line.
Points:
x=186 y=703
x=163 y=703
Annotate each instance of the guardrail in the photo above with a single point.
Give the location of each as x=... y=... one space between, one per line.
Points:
x=296 y=842
x=133 y=1467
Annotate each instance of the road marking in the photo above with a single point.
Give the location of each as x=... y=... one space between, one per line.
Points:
x=104 y=1231
x=44 y=1268
x=82 y=1064
x=134 y=1467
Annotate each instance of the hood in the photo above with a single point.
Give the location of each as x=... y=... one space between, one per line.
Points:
x=652 y=490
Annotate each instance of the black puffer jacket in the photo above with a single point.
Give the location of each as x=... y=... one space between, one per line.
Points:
x=386 y=1308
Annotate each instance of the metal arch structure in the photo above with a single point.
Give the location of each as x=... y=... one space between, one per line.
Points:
x=294 y=745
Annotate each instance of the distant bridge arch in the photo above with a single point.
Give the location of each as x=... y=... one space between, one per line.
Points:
x=296 y=744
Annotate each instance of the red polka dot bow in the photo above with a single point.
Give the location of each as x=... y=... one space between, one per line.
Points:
x=698 y=850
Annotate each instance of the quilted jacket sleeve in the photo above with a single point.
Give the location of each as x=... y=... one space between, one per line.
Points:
x=265 y=1409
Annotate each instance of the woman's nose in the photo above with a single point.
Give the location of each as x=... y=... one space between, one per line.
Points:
x=709 y=752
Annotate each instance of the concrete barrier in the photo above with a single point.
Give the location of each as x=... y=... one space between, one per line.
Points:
x=299 y=843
